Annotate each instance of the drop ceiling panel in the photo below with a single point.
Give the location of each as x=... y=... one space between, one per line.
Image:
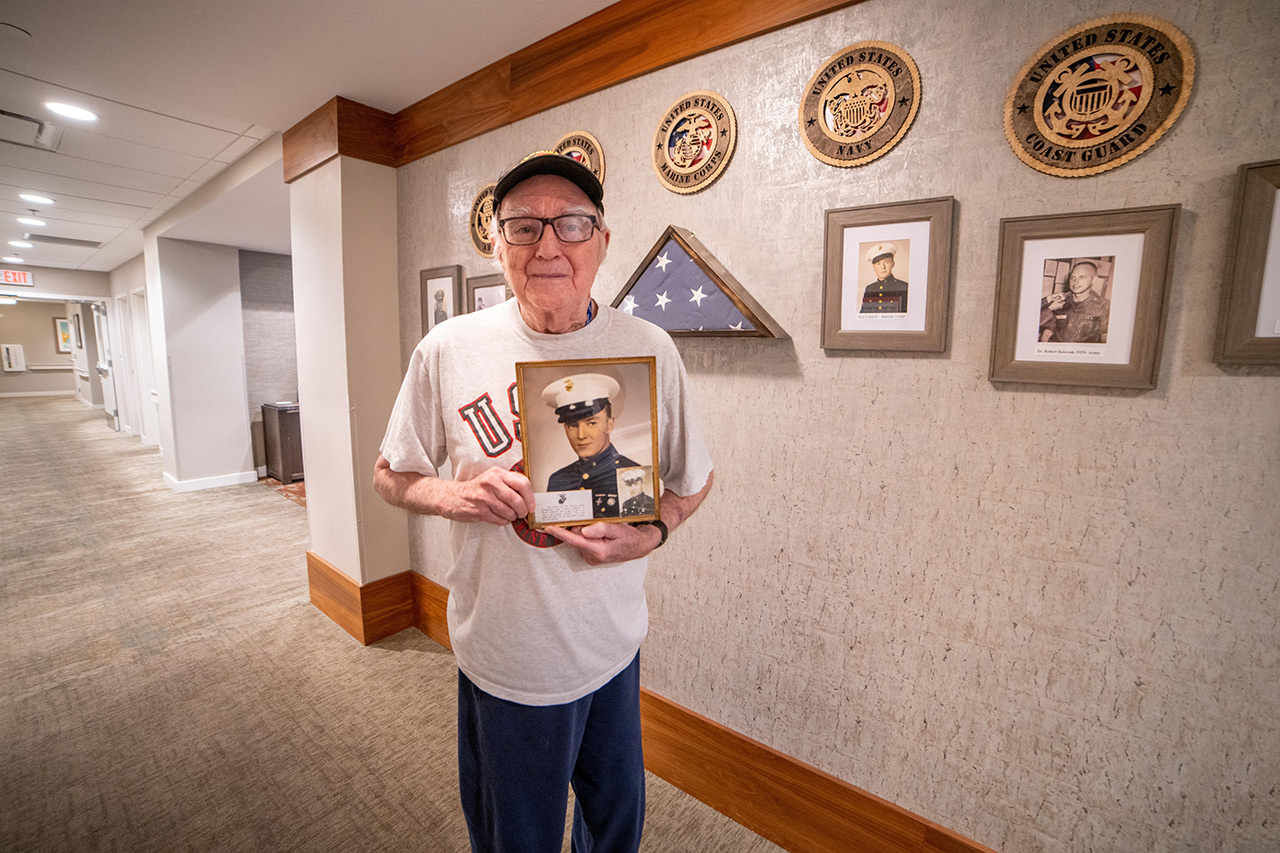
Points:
x=57 y=185
x=48 y=163
x=67 y=204
x=98 y=148
x=66 y=214
x=238 y=149
x=26 y=95
x=73 y=230
x=208 y=170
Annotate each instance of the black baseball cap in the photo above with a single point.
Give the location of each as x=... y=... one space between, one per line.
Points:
x=550 y=163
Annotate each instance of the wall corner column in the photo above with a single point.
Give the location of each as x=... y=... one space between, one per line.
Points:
x=346 y=303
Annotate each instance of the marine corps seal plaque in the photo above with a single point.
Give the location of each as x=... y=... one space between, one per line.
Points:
x=859 y=103
x=694 y=142
x=481 y=217
x=1099 y=95
x=584 y=148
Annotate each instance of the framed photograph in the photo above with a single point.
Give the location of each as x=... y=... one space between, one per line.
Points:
x=76 y=323
x=485 y=291
x=1080 y=297
x=1249 y=320
x=62 y=334
x=886 y=282
x=589 y=428
x=440 y=291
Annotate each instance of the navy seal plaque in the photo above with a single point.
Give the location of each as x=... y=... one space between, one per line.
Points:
x=859 y=103
x=1099 y=95
x=584 y=148
x=694 y=142
x=481 y=218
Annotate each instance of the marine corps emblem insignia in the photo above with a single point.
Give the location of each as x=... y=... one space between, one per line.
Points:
x=584 y=148
x=694 y=142
x=481 y=217
x=859 y=103
x=1099 y=95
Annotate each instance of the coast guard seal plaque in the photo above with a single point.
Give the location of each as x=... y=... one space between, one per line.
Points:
x=584 y=148
x=1099 y=95
x=481 y=217
x=694 y=142
x=859 y=103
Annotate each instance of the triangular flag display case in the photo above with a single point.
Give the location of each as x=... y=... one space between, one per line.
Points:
x=681 y=287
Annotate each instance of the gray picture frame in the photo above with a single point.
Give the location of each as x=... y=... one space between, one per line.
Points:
x=841 y=289
x=1157 y=226
x=446 y=279
x=1237 y=340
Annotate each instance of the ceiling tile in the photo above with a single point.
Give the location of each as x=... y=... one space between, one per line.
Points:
x=48 y=163
x=59 y=185
x=97 y=148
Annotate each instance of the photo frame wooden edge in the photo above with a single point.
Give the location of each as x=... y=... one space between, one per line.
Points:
x=1237 y=342
x=62 y=335
x=453 y=272
x=475 y=283
x=1159 y=226
x=583 y=365
x=941 y=213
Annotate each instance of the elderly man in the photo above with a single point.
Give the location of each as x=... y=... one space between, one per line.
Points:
x=546 y=629
x=1080 y=315
x=887 y=294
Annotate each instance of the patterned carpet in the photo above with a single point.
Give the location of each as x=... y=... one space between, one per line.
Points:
x=168 y=686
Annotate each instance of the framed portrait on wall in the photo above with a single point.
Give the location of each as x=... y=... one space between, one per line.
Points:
x=485 y=291
x=590 y=438
x=1249 y=319
x=887 y=276
x=1080 y=297
x=440 y=293
x=62 y=334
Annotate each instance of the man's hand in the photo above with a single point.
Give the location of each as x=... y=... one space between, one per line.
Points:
x=497 y=496
x=609 y=543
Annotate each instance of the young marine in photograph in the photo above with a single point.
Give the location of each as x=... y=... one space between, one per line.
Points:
x=583 y=405
x=545 y=625
x=887 y=294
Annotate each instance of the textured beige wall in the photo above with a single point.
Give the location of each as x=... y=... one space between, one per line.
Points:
x=1044 y=617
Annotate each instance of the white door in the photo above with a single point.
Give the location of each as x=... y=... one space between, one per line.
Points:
x=105 y=372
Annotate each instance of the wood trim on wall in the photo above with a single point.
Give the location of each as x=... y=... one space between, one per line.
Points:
x=619 y=43
x=368 y=612
x=341 y=126
x=793 y=804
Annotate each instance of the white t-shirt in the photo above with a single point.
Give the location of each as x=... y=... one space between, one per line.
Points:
x=531 y=624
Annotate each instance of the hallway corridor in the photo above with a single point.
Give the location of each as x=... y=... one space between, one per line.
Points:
x=168 y=685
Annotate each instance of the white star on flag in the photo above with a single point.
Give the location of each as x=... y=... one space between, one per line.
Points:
x=663 y=300
x=737 y=327
x=662 y=261
x=629 y=304
x=698 y=296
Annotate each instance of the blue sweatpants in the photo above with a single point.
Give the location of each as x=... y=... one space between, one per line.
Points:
x=516 y=763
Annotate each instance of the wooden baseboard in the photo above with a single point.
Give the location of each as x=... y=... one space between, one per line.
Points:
x=367 y=612
x=796 y=806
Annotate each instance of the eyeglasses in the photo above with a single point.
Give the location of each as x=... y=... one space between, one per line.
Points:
x=527 y=230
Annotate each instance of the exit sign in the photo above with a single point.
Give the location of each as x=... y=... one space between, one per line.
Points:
x=21 y=277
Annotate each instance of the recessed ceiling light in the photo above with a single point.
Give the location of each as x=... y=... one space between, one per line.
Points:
x=27 y=220
x=69 y=111
x=13 y=259
x=20 y=244
x=35 y=199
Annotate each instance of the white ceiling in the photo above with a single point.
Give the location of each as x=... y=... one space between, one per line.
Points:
x=184 y=89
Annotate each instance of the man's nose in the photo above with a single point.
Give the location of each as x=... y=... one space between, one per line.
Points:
x=548 y=243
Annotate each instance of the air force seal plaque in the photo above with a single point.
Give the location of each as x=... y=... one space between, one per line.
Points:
x=1099 y=95
x=584 y=148
x=859 y=103
x=481 y=218
x=694 y=142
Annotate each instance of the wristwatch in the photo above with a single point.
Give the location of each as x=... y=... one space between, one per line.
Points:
x=662 y=528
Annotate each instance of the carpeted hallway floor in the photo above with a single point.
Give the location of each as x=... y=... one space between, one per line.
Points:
x=168 y=686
